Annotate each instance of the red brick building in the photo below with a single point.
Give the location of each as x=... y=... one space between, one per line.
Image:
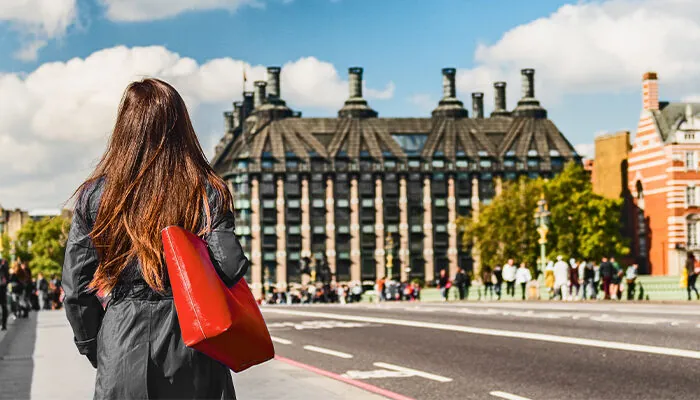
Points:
x=664 y=181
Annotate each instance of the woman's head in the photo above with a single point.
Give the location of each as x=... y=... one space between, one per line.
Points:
x=155 y=174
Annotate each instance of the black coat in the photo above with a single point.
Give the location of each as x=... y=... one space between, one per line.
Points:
x=136 y=344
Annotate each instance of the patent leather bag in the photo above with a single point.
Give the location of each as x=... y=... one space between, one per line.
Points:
x=224 y=323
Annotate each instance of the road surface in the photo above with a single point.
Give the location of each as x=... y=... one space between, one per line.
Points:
x=500 y=350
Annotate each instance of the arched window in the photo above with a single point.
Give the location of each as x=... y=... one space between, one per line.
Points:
x=693 y=230
x=640 y=194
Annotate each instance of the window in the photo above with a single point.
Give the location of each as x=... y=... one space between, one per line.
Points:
x=414 y=164
x=293 y=203
x=693 y=222
x=690 y=197
x=690 y=161
x=411 y=143
x=440 y=203
x=343 y=229
x=367 y=203
x=462 y=164
x=269 y=204
x=438 y=163
x=485 y=163
x=342 y=203
x=392 y=228
x=318 y=203
x=367 y=228
x=269 y=230
x=482 y=153
x=533 y=163
x=318 y=229
x=532 y=153
x=554 y=153
x=508 y=163
x=294 y=230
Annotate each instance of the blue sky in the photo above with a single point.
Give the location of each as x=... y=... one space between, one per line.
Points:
x=589 y=58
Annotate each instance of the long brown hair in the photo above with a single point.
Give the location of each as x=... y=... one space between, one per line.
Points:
x=155 y=175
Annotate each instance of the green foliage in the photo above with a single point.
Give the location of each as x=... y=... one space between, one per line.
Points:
x=6 y=245
x=583 y=224
x=43 y=244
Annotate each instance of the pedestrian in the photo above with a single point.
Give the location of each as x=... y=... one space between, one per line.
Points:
x=574 y=284
x=444 y=285
x=631 y=277
x=522 y=277
x=487 y=279
x=460 y=282
x=561 y=277
x=616 y=281
x=498 y=284
x=606 y=276
x=691 y=268
x=509 y=277
x=153 y=174
x=549 y=279
x=589 y=289
x=42 y=288
x=4 y=280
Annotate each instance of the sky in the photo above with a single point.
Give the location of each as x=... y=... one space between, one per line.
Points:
x=67 y=63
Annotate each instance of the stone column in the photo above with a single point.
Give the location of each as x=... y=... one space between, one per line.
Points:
x=355 y=259
x=403 y=228
x=305 y=225
x=330 y=225
x=305 y=219
x=475 y=216
x=379 y=252
x=428 y=231
x=281 y=255
x=452 y=226
x=256 y=240
x=498 y=183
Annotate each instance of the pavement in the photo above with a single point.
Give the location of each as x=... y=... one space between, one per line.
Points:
x=39 y=361
x=526 y=350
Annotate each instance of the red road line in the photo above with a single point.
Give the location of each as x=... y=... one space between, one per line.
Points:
x=332 y=375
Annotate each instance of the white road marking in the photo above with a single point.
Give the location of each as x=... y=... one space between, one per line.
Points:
x=305 y=325
x=666 y=351
x=280 y=340
x=507 y=396
x=375 y=374
x=328 y=351
x=413 y=372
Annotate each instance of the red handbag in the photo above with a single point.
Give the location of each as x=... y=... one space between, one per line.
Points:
x=224 y=323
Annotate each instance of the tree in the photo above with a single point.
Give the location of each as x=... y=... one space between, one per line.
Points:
x=42 y=244
x=583 y=224
x=6 y=245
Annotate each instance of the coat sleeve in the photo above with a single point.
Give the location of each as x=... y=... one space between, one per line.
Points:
x=83 y=308
x=225 y=249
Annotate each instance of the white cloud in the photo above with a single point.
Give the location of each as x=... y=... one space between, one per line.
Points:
x=425 y=102
x=146 y=10
x=55 y=120
x=38 y=21
x=586 y=150
x=595 y=47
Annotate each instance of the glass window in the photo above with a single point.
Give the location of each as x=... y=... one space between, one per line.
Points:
x=268 y=204
x=411 y=143
x=464 y=202
x=508 y=163
x=485 y=163
x=533 y=163
x=554 y=153
x=693 y=233
x=343 y=202
x=392 y=228
x=440 y=202
x=690 y=197
x=532 y=153
x=440 y=228
x=690 y=161
x=483 y=153
x=319 y=203
x=269 y=230
x=368 y=229
x=319 y=229
x=269 y=256
x=294 y=203
x=344 y=229
x=416 y=228
x=462 y=164
x=390 y=164
x=294 y=230
x=438 y=163
x=367 y=203
x=414 y=164
x=294 y=256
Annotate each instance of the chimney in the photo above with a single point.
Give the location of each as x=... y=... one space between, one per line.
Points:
x=237 y=114
x=355 y=81
x=478 y=105
x=500 y=104
x=229 y=124
x=528 y=78
x=259 y=96
x=448 y=82
x=273 y=82
x=650 y=91
x=247 y=105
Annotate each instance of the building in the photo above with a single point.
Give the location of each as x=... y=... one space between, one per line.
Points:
x=340 y=187
x=664 y=180
x=11 y=221
x=609 y=176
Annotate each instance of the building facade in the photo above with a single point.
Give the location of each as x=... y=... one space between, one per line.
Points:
x=664 y=180
x=348 y=187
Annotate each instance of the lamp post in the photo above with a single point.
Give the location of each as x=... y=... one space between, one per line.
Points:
x=389 y=246
x=542 y=221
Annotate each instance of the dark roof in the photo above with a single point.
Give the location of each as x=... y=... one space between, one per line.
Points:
x=671 y=115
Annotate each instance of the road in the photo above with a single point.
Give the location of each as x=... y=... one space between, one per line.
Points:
x=500 y=350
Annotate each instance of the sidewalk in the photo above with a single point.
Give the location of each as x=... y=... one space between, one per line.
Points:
x=39 y=361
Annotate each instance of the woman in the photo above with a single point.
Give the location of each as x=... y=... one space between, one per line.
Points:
x=691 y=265
x=523 y=276
x=153 y=174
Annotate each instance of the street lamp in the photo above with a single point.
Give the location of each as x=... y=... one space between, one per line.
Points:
x=389 y=246
x=542 y=221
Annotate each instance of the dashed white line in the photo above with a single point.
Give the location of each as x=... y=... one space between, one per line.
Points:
x=328 y=351
x=665 y=351
x=413 y=372
x=280 y=340
x=507 y=396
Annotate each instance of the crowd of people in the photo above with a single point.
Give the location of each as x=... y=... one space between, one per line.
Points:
x=572 y=280
x=21 y=293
